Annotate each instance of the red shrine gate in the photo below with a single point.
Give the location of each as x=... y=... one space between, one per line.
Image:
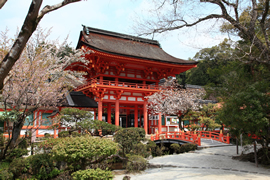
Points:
x=122 y=70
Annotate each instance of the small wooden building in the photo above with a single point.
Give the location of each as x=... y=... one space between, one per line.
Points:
x=122 y=70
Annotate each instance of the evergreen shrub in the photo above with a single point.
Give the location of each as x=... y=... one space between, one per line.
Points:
x=136 y=163
x=92 y=174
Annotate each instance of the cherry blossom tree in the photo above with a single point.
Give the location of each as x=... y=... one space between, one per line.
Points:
x=38 y=80
x=29 y=26
x=175 y=101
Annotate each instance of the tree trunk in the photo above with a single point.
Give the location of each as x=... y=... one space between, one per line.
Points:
x=255 y=154
x=237 y=152
x=29 y=26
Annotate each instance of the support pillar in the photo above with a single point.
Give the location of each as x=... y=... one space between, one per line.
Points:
x=136 y=116
x=117 y=112
x=159 y=122
x=99 y=109
x=109 y=113
x=145 y=117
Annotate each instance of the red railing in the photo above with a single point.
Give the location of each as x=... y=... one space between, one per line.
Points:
x=178 y=136
x=107 y=83
x=193 y=136
x=213 y=135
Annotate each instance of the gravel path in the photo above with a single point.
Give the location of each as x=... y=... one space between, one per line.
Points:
x=210 y=163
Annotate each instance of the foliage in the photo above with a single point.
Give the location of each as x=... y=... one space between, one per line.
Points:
x=75 y=119
x=151 y=145
x=23 y=143
x=5 y=174
x=15 y=153
x=187 y=147
x=18 y=166
x=79 y=152
x=141 y=150
x=136 y=163
x=38 y=79
x=89 y=174
x=248 y=111
x=41 y=166
x=48 y=144
x=141 y=131
x=63 y=134
x=211 y=61
x=106 y=128
x=175 y=147
x=127 y=138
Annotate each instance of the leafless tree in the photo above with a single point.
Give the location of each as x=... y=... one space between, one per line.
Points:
x=249 y=19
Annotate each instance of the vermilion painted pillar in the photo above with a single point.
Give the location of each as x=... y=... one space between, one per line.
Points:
x=99 y=109
x=109 y=113
x=136 y=116
x=145 y=117
x=117 y=112
x=159 y=122
x=38 y=121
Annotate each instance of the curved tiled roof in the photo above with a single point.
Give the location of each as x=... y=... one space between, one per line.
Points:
x=126 y=45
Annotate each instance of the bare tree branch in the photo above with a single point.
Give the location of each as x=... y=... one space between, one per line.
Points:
x=2 y=3
x=29 y=26
x=48 y=8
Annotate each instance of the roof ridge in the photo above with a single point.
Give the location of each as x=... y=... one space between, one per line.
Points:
x=87 y=30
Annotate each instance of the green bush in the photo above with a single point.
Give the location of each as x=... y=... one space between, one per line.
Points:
x=5 y=174
x=187 y=147
x=175 y=147
x=136 y=163
x=23 y=144
x=18 y=166
x=151 y=147
x=140 y=149
x=63 y=134
x=92 y=174
x=47 y=145
x=75 y=134
x=15 y=153
x=159 y=151
x=79 y=152
x=41 y=166
x=47 y=135
x=141 y=131
x=127 y=139
x=106 y=128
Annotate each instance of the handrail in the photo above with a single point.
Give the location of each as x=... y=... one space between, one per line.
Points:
x=95 y=82
x=193 y=136
x=178 y=136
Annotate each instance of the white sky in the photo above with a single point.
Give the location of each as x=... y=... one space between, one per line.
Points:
x=112 y=15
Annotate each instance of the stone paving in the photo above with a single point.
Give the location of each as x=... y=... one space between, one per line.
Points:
x=207 y=163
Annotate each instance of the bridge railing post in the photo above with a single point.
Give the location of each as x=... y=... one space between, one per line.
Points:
x=199 y=140
x=228 y=138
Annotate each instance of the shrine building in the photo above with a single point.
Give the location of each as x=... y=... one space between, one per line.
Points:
x=122 y=70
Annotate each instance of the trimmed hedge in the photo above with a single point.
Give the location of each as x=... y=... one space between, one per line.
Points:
x=141 y=131
x=136 y=163
x=92 y=174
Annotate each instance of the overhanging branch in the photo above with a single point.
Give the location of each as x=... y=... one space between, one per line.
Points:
x=48 y=8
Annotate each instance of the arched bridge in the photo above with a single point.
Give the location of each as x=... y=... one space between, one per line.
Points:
x=171 y=141
x=190 y=137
